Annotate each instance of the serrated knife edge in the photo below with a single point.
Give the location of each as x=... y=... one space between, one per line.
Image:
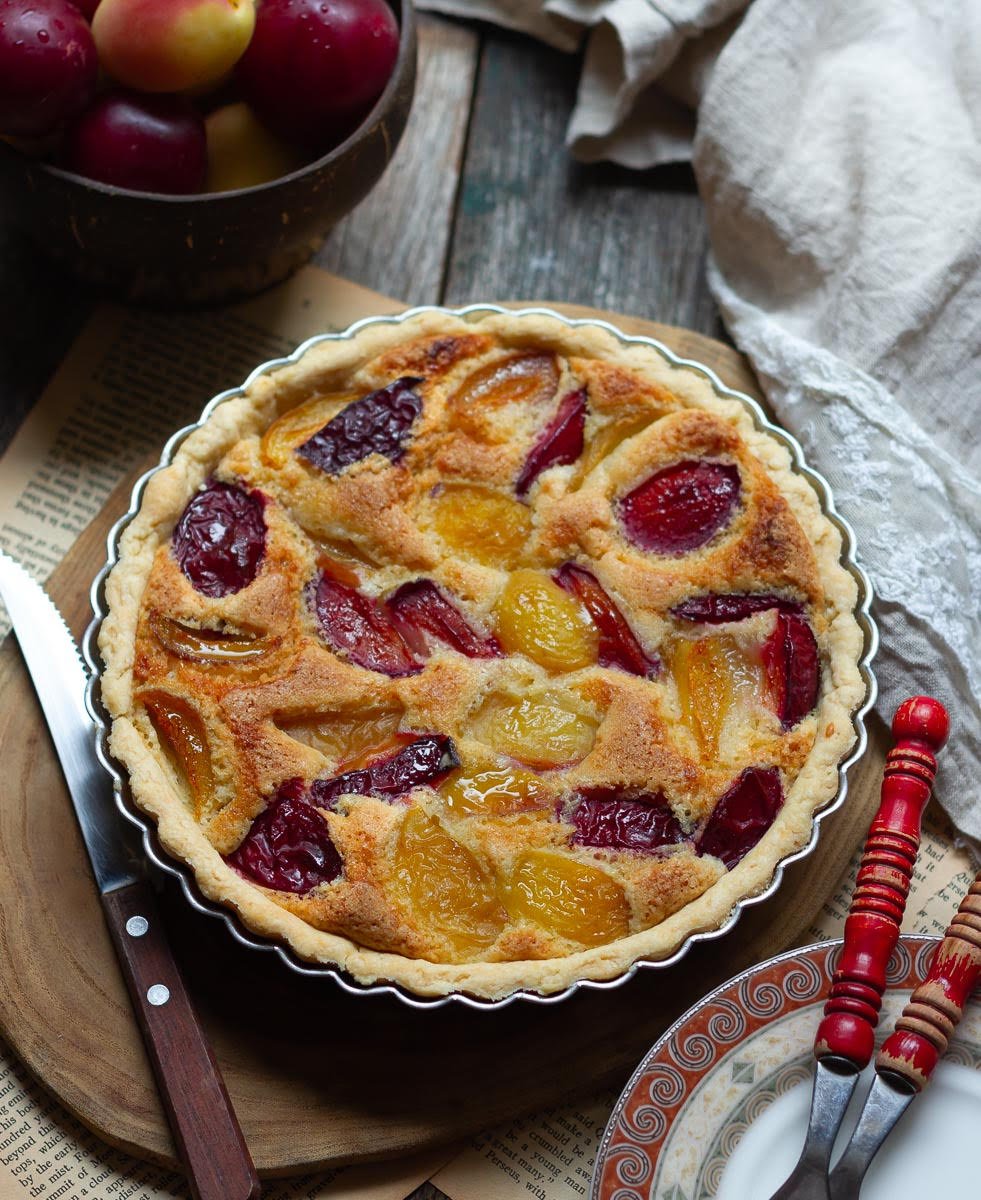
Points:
x=60 y=681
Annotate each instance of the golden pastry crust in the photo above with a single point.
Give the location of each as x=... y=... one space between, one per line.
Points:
x=282 y=711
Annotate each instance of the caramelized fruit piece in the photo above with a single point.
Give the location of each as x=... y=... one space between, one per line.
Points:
x=606 y=440
x=519 y=379
x=293 y=428
x=535 y=617
x=542 y=731
x=709 y=675
x=345 y=555
x=182 y=731
x=618 y=646
x=607 y=818
x=378 y=423
x=495 y=793
x=444 y=885
x=484 y=525
x=743 y=814
x=559 y=443
x=420 y=608
x=680 y=507
x=344 y=736
x=717 y=608
x=790 y=656
x=424 y=762
x=221 y=538
x=567 y=898
x=289 y=846
x=359 y=628
x=206 y=645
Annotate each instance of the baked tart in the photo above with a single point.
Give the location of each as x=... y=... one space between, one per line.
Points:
x=478 y=655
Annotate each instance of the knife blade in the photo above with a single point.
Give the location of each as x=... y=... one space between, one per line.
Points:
x=206 y=1131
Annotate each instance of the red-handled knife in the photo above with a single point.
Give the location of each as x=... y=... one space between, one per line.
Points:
x=205 y=1129
x=846 y=1036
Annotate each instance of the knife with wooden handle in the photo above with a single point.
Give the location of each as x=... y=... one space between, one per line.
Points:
x=206 y=1131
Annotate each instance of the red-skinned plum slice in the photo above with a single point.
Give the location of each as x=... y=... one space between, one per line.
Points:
x=421 y=609
x=717 y=608
x=359 y=628
x=289 y=846
x=608 y=819
x=618 y=645
x=793 y=669
x=790 y=654
x=559 y=443
x=423 y=763
x=379 y=423
x=742 y=816
x=221 y=538
x=681 y=507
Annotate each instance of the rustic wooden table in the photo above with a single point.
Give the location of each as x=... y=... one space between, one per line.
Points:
x=481 y=202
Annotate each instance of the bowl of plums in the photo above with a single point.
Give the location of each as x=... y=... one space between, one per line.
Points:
x=196 y=151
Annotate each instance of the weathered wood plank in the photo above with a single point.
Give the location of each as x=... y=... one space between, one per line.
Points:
x=532 y=223
x=396 y=240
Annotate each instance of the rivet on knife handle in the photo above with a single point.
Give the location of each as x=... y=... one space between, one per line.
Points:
x=209 y=1140
x=920 y=727
x=929 y=1019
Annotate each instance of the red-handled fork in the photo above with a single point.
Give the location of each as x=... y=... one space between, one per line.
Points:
x=846 y=1036
x=908 y=1056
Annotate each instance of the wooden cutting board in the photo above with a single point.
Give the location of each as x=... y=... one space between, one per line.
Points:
x=320 y=1078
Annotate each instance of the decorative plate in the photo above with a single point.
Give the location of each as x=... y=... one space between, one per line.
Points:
x=719 y=1106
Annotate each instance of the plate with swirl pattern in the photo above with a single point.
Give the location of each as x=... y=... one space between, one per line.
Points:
x=718 y=1108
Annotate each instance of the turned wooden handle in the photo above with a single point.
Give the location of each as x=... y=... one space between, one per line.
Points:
x=851 y=1014
x=929 y=1019
x=209 y=1140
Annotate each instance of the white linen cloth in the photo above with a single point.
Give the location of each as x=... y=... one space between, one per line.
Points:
x=838 y=153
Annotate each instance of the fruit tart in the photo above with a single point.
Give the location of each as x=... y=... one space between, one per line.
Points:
x=479 y=655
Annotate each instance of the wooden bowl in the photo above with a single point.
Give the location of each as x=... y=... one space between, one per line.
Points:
x=213 y=247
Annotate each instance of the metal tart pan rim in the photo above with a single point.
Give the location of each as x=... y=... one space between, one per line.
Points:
x=182 y=872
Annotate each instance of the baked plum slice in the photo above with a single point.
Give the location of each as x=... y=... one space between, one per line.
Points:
x=559 y=443
x=220 y=538
x=358 y=627
x=424 y=762
x=289 y=847
x=681 y=507
x=421 y=609
x=379 y=423
x=718 y=608
x=612 y=820
x=618 y=645
x=790 y=654
x=182 y=731
x=743 y=814
x=793 y=668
